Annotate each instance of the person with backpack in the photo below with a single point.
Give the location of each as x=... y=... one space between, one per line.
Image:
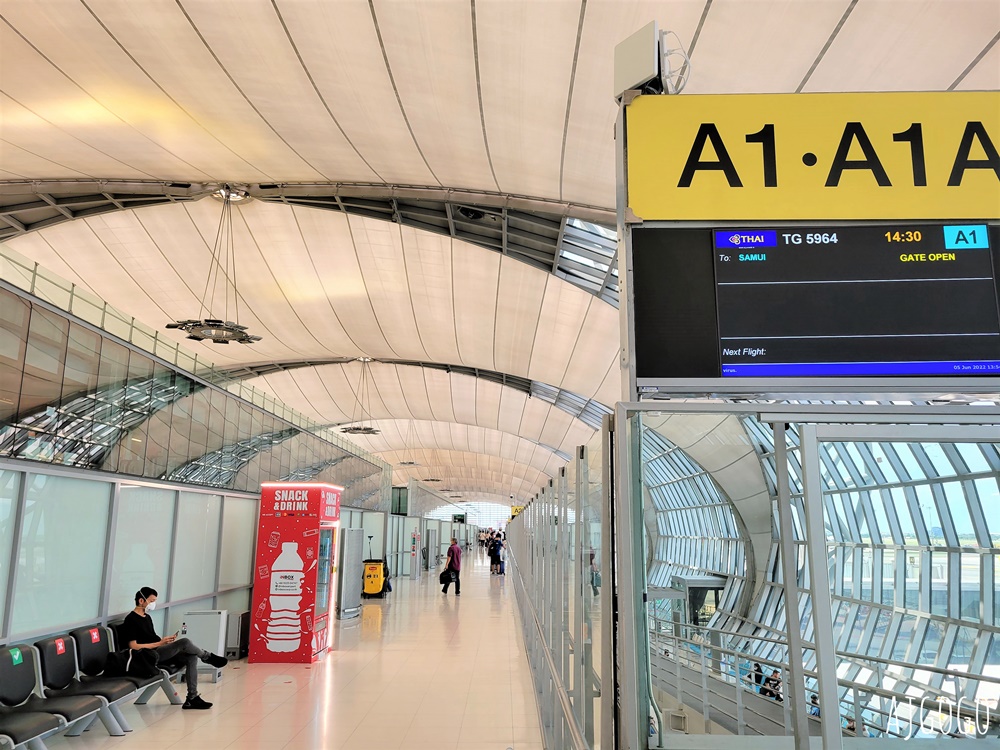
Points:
x=137 y=633
x=453 y=568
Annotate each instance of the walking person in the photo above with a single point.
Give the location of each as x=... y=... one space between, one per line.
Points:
x=454 y=567
x=137 y=631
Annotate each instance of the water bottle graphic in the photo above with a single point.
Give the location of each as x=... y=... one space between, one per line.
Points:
x=284 y=629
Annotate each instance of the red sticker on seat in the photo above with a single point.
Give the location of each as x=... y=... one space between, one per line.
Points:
x=95 y=635
x=60 y=646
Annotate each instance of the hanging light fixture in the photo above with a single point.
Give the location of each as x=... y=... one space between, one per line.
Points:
x=221 y=269
x=411 y=461
x=363 y=395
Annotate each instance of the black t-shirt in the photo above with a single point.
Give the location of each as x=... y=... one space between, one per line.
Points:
x=137 y=628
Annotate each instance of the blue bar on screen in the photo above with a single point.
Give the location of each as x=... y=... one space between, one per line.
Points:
x=856 y=369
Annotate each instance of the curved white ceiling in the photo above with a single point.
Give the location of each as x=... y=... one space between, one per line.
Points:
x=399 y=440
x=318 y=284
x=465 y=471
x=504 y=95
x=326 y=394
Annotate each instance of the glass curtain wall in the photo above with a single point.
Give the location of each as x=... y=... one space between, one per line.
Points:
x=75 y=397
x=913 y=558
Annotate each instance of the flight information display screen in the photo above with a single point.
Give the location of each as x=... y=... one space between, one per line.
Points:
x=817 y=301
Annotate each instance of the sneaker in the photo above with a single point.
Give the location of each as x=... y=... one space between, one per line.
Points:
x=196 y=703
x=216 y=661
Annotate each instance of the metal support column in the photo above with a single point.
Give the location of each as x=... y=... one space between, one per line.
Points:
x=630 y=589
x=795 y=688
x=819 y=576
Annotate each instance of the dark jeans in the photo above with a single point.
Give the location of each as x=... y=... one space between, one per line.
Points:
x=458 y=582
x=183 y=651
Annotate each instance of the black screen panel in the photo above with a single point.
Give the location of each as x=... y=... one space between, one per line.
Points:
x=676 y=327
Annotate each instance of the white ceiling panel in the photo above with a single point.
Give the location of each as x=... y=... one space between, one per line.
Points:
x=464 y=399
x=611 y=389
x=403 y=441
x=590 y=131
x=985 y=76
x=331 y=246
x=73 y=41
x=250 y=44
x=30 y=79
x=512 y=407
x=442 y=110
x=564 y=313
x=590 y=361
x=427 y=258
x=339 y=45
x=519 y=300
x=25 y=135
x=760 y=47
x=525 y=79
x=477 y=290
x=489 y=398
x=317 y=284
x=380 y=256
x=160 y=39
x=888 y=45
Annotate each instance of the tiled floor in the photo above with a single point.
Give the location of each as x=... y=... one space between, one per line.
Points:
x=418 y=671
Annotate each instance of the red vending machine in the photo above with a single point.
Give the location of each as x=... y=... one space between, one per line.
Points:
x=295 y=572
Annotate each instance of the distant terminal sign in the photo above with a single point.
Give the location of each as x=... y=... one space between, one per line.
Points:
x=515 y=510
x=814 y=156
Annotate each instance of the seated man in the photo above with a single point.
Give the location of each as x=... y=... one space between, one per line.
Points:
x=137 y=632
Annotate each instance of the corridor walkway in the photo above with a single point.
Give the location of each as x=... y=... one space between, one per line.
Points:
x=419 y=671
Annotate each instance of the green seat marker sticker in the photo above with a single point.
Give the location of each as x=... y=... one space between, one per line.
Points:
x=16 y=656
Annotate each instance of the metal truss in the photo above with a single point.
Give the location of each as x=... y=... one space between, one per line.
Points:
x=573 y=242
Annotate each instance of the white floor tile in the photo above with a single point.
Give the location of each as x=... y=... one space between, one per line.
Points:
x=421 y=670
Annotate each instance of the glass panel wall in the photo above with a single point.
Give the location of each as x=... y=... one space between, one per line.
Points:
x=54 y=532
x=557 y=563
x=143 y=533
x=10 y=486
x=74 y=396
x=61 y=552
x=239 y=521
x=196 y=548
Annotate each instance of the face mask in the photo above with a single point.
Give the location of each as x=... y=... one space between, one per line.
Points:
x=150 y=606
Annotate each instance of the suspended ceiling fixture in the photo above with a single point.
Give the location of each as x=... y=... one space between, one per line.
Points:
x=408 y=460
x=362 y=406
x=221 y=271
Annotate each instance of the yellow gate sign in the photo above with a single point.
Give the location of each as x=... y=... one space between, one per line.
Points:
x=814 y=156
x=515 y=511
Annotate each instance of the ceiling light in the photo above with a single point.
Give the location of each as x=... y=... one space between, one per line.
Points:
x=472 y=214
x=221 y=270
x=363 y=401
